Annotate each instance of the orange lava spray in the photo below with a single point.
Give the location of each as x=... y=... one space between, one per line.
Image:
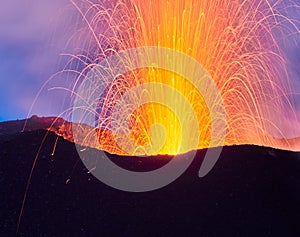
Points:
x=235 y=41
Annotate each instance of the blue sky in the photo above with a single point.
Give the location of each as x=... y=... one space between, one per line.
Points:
x=33 y=34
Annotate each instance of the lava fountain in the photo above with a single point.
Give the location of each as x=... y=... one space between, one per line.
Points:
x=236 y=42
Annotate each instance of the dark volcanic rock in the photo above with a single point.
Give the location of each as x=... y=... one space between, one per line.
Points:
x=252 y=191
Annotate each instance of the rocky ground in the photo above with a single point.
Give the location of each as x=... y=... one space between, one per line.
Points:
x=252 y=191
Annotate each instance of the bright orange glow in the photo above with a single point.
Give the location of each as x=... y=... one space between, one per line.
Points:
x=235 y=42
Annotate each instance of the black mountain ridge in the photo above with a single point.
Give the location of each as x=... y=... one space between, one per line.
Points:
x=252 y=191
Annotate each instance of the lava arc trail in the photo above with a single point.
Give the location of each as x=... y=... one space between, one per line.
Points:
x=236 y=42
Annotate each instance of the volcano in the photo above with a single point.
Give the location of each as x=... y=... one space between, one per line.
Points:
x=252 y=191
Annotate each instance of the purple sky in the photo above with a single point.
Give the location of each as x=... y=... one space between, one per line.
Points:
x=32 y=37
x=33 y=34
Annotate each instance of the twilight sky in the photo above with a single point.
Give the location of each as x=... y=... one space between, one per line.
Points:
x=34 y=34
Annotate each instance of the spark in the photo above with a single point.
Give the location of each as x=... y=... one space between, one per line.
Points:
x=235 y=41
x=54 y=147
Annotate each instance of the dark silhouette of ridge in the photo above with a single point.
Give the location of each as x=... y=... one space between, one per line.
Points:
x=252 y=191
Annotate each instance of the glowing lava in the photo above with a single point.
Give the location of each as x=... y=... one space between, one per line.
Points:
x=235 y=41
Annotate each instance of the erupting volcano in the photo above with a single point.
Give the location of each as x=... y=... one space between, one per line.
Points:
x=154 y=93
x=237 y=44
